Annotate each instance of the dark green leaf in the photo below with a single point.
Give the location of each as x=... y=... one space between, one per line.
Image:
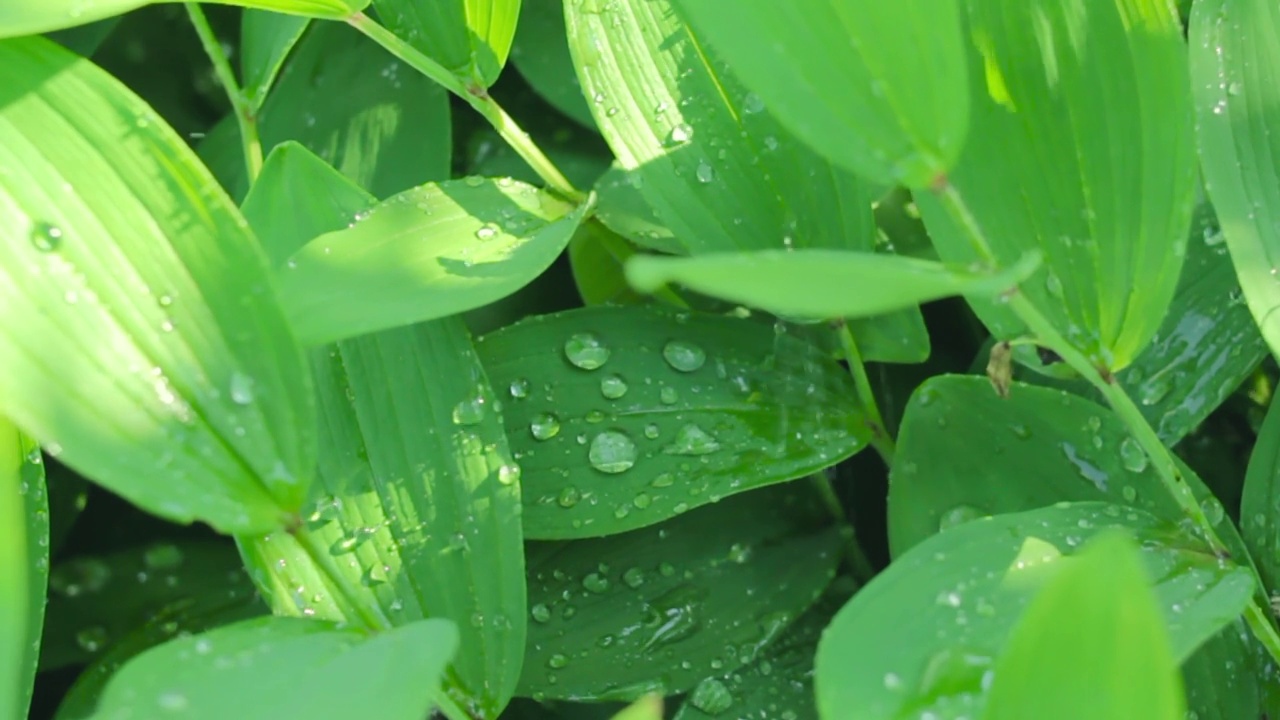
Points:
x=624 y=417
x=130 y=271
x=266 y=38
x=1260 y=503
x=541 y=53
x=468 y=37
x=596 y=255
x=661 y=608
x=24 y=566
x=85 y=39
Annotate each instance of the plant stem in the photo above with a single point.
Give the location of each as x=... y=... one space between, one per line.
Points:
x=448 y=707
x=881 y=440
x=862 y=569
x=477 y=97
x=243 y=110
x=1258 y=619
x=320 y=557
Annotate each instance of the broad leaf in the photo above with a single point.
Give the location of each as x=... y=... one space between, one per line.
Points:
x=660 y=609
x=383 y=124
x=1260 y=502
x=1234 y=62
x=648 y=707
x=1067 y=670
x=823 y=284
x=272 y=667
x=24 y=566
x=596 y=256
x=624 y=417
x=426 y=253
x=540 y=52
x=130 y=271
x=1081 y=146
x=942 y=612
x=266 y=38
x=877 y=87
x=470 y=38
x=29 y=17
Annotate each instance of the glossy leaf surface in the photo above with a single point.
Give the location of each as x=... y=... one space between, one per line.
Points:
x=266 y=38
x=471 y=38
x=624 y=417
x=24 y=566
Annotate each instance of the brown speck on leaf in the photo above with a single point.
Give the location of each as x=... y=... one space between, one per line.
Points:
x=1000 y=368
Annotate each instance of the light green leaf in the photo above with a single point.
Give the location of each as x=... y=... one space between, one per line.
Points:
x=540 y=52
x=878 y=87
x=266 y=38
x=298 y=197
x=426 y=253
x=928 y=660
x=269 y=668
x=624 y=417
x=470 y=38
x=130 y=271
x=24 y=566
x=1111 y=661
x=648 y=707
x=1081 y=147
x=823 y=284
x=1235 y=61
x=29 y=17
x=379 y=122
x=655 y=610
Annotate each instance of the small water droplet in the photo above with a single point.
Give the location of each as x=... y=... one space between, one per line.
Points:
x=519 y=388
x=684 y=356
x=568 y=497
x=557 y=661
x=1213 y=510
x=1129 y=493
x=651 y=431
x=241 y=389
x=585 y=351
x=668 y=395
x=509 y=474
x=540 y=613
x=596 y=583
x=486 y=231
x=163 y=556
x=1053 y=284
x=473 y=181
x=1132 y=455
x=612 y=452
x=544 y=426
x=1235 y=88
x=46 y=237
x=692 y=440
x=1020 y=431
x=1154 y=390
x=680 y=134
x=92 y=639
x=704 y=172
x=613 y=387
x=641 y=501
x=633 y=577
x=752 y=104
x=958 y=515
x=469 y=411
x=663 y=480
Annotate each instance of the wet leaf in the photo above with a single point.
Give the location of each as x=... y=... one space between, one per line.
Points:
x=470 y=38
x=275 y=667
x=24 y=566
x=942 y=612
x=661 y=608
x=877 y=87
x=29 y=17
x=427 y=253
x=541 y=53
x=624 y=417
x=141 y=281
x=266 y=38
x=1259 y=509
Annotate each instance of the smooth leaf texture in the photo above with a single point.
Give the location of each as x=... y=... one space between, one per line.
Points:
x=940 y=614
x=596 y=256
x=1235 y=61
x=1260 y=501
x=95 y=600
x=1112 y=661
x=269 y=668
x=877 y=87
x=660 y=609
x=129 y=270
x=648 y=707
x=266 y=38
x=427 y=253
x=823 y=284
x=384 y=125
x=471 y=38
x=419 y=503
x=1081 y=146
x=540 y=52
x=708 y=156
x=624 y=417
x=24 y=566
x=30 y=17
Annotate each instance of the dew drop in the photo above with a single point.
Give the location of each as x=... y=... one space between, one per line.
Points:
x=519 y=388
x=1053 y=284
x=613 y=387
x=585 y=351
x=509 y=474
x=1129 y=493
x=486 y=231
x=596 y=583
x=711 y=697
x=1132 y=456
x=1235 y=88
x=752 y=104
x=469 y=411
x=568 y=497
x=46 y=237
x=651 y=431
x=540 y=613
x=1154 y=390
x=544 y=426
x=692 y=440
x=664 y=480
x=668 y=395
x=557 y=661
x=633 y=578
x=92 y=639
x=683 y=356
x=241 y=389
x=1213 y=510
x=705 y=173
x=680 y=134
x=958 y=515
x=612 y=452
x=163 y=556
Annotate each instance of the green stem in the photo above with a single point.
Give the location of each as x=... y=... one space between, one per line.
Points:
x=1047 y=335
x=477 y=97
x=881 y=440
x=320 y=557
x=862 y=568
x=243 y=110
x=449 y=708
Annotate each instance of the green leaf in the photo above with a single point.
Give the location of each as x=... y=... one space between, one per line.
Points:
x=266 y=38
x=659 y=609
x=419 y=502
x=823 y=284
x=1112 y=661
x=648 y=707
x=468 y=37
x=624 y=417
x=596 y=256
x=1234 y=63
x=141 y=281
x=95 y=600
x=426 y=253
x=929 y=659
x=273 y=667
x=711 y=160
x=85 y=39
x=877 y=87
x=1259 y=513
x=1081 y=147
x=540 y=52
x=342 y=96
x=24 y=566
x=29 y=17
x=298 y=197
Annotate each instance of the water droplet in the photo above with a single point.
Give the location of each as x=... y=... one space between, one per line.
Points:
x=651 y=431
x=752 y=104
x=46 y=237
x=1020 y=431
x=509 y=474
x=164 y=556
x=1213 y=510
x=704 y=172
x=680 y=134
x=241 y=389
x=892 y=681
x=612 y=452
x=1129 y=493
x=92 y=639
x=469 y=411
x=642 y=501
x=1132 y=455
x=711 y=697
x=557 y=661
x=596 y=583
x=613 y=387
x=692 y=440
x=958 y=515
x=540 y=613
x=568 y=497
x=1235 y=88
x=1053 y=284
x=473 y=181
x=519 y=388
x=663 y=480
x=585 y=351
x=486 y=231
x=1154 y=390
x=544 y=426
x=683 y=356
x=633 y=577
x=668 y=395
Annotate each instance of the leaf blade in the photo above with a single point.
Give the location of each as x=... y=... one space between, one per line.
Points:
x=24 y=566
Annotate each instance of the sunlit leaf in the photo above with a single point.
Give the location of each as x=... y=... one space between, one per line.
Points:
x=24 y=566
x=29 y=17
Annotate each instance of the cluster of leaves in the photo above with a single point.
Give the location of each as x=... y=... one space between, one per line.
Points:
x=335 y=331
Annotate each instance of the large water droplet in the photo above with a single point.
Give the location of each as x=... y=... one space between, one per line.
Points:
x=633 y=578
x=692 y=440
x=1132 y=455
x=680 y=134
x=568 y=497
x=241 y=389
x=469 y=411
x=544 y=426
x=613 y=387
x=46 y=237
x=684 y=356
x=1213 y=510
x=612 y=452
x=711 y=697
x=585 y=351
x=509 y=474
x=596 y=583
